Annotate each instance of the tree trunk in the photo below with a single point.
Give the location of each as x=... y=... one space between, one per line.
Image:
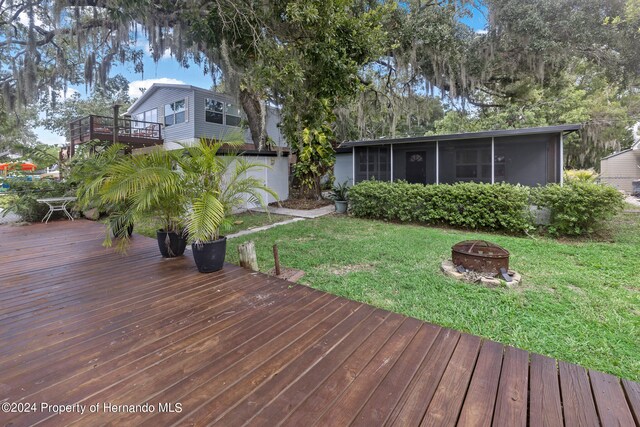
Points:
x=256 y=117
x=247 y=255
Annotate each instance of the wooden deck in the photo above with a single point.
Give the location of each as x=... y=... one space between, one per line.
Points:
x=80 y=325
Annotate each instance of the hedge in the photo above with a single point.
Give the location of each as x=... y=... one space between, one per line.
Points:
x=577 y=208
x=471 y=205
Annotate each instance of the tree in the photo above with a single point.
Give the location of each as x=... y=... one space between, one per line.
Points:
x=100 y=102
x=16 y=129
x=46 y=45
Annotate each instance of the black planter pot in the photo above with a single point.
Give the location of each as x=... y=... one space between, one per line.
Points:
x=209 y=256
x=171 y=244
x=116 y=232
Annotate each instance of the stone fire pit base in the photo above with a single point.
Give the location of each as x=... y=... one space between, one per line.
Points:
x=474 y=277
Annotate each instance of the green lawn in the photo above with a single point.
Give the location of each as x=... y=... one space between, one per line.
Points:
x=241 y=221
x=579 y=301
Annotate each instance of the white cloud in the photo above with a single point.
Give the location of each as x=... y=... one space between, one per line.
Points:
x=135 y=86
x=481 y=31
x=143 y=43
x=67 y=93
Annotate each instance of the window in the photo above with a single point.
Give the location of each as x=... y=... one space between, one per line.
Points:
x=213 y=110
x=174 y=113
x=150 y=116
x=218 y=112
x=232 y=115
x=373 y=163
x=473 y=164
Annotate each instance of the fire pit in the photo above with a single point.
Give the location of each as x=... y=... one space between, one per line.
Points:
x=480 y=256
x=479 y=261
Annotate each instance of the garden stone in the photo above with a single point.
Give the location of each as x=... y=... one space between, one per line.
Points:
x=93 y=214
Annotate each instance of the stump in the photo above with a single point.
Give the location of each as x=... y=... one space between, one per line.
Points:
x=247 y=255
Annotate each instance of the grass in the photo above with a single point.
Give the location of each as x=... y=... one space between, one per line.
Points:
x=241 y=221
x=579 y=301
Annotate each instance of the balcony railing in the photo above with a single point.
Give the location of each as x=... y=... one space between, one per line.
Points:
x=135 y=133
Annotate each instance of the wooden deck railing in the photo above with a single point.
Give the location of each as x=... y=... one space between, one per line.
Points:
x=136 y=133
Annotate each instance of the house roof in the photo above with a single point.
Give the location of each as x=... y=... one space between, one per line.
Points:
x=466 y=135
x=617 y=154
x=154 y=87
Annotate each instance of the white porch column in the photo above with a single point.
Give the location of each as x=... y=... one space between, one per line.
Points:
x=561 y=159
x=493 y=161
x=391 y=162
x=437 y=163
x=353 y=165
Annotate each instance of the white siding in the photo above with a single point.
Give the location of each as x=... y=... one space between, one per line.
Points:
x=182 y=132
x=273 y=120
x=620 y=170
x=196 y=126
x=343 y=169
x=278 y=177
x=205 y=129
x=275 y=176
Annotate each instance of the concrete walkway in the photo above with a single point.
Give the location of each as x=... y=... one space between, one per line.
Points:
x=264 y=227
x=632 y=200
x=300 y=213
x=297 y=214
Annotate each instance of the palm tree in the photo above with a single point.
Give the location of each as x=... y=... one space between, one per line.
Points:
x=196 y=187
x=217 y=184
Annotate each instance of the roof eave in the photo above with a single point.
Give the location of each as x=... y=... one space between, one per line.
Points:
x=466 y=135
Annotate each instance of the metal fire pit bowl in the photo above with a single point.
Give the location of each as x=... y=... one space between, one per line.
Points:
x=480 y=256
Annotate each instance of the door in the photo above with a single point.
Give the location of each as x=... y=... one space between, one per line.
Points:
x=416 y=167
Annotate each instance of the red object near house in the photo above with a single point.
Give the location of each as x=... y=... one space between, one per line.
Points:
x=26 y=166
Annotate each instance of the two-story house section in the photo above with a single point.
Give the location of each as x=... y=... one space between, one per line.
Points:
x=188 y=113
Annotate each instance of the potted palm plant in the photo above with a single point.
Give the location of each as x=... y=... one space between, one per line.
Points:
x=340 y=196
x=150 y=183
x=214 y=184
x=88 y=172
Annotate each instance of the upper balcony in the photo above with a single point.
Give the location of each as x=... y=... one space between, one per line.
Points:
x=134 y=133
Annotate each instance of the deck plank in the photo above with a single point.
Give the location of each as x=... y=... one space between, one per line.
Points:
x=511 y=401
x=312 y=407
x=379 y=406
x=349 y=403
x=632 y=393
x=545 y=407
x=445 y=405
x=577 y=400
x=81 y=324
x=481 y=397
x=416 y=399
x=610 y=400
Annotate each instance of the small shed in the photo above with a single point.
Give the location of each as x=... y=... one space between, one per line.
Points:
x=622 y=168
x=530 y=156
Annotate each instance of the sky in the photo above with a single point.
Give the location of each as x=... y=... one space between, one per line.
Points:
x=167 y=70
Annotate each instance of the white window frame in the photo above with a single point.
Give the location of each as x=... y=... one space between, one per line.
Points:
x=186 y=112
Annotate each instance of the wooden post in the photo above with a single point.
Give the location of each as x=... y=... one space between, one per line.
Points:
x=247 y=254
x=276 y=259
x=116 y=109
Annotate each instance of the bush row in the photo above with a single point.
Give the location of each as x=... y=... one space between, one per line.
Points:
x=576 y=208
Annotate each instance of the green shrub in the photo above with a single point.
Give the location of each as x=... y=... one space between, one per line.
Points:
x=586 y=175
x=26 y=193
x=579 y=207
x=470 y=205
